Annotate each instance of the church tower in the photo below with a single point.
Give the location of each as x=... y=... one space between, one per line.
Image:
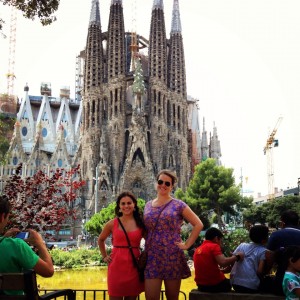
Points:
x=135 y=107
x=104 y=109
x=131 y=118
x=169 y=141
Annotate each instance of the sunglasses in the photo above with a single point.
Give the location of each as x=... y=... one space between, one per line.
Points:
x=161 y=182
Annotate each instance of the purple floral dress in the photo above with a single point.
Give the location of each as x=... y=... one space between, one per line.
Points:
x=165 y=259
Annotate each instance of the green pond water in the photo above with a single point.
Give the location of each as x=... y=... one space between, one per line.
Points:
x=93 y=278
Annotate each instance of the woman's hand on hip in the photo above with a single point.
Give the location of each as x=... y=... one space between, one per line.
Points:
x=182 y=245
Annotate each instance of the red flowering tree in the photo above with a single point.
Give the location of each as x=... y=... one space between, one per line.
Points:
x=43 y=202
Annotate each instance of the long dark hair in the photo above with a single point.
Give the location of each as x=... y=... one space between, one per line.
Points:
x=5 y=205
x=136 y=213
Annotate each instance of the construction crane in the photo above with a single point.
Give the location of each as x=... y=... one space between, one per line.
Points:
x=268 y=150
x=12 y=51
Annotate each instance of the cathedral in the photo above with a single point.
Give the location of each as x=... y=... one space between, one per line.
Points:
x=131 y=116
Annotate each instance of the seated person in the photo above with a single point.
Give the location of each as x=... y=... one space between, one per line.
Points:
x=288 y=235
x=16 y=254
x=208 y=258
x=245 y=276
x=291 y=279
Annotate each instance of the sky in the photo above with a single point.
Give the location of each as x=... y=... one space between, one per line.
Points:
x=242 y=64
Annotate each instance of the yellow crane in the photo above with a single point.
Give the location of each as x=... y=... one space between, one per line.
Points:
x=12 y=51
x=268 y=150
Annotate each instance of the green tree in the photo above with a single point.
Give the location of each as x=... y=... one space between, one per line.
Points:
x=6 y=130
x=42 y=9
x=213 y=188
x=276 y=207
x=270 y=212
x=256 y=214
x=203 y=215
x=95 y=225
x=245 y=203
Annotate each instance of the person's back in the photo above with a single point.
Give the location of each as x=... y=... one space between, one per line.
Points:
x=16 y=254
x=289 y=235
x=245 y=276
x=208 y=258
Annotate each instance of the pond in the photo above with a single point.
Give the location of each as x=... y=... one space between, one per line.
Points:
x=92 y=278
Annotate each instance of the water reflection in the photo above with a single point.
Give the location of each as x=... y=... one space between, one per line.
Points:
x=91 y=278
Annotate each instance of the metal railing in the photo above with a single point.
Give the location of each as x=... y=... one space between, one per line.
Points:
x=103 y=295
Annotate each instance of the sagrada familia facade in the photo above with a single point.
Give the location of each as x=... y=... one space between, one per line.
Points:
x=131 y=117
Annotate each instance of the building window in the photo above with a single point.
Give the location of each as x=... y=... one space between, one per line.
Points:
x=37 y=162
x=44 y=132
x=15 y=161
x=64 y=232
x=45 y=118
x=24 y=131
x=60 y=163
x=25 y=116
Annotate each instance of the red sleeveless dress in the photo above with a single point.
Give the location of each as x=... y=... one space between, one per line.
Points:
x=122 y=276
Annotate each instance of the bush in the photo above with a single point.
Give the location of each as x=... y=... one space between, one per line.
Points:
x=233 y=238
x=75 y=258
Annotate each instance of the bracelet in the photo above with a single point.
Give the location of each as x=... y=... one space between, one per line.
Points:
x=238 y=257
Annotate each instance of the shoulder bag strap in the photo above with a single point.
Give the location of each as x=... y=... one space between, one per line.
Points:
x=129 y=245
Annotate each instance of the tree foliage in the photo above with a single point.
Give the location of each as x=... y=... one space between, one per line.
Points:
x=42 y=202
x=234 y=238
x=213 y=188
x=6 y=130
x=271 y=211
x=95 y=225
x=42 y=9
x=203 y=215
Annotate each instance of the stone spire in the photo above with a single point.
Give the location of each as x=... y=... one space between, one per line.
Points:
x=113 y=2
x=158 y=4
x=204 y=143
x=93 y=72
x=215 y=148
x=116 y=41
x=176 y=61
x=95 y=14
x=93 y=113
x=158 y=43
x=176 y=23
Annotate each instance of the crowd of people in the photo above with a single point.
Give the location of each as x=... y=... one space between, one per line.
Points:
x=160 y=224
x=251 y=263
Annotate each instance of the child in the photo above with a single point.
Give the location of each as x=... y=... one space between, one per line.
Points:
x=208 y=258
x=291 y=279
x=245 y=276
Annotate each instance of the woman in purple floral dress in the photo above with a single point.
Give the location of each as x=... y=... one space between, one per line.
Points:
x=163 y=218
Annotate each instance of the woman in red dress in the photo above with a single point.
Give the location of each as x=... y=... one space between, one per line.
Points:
x=122 y=276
